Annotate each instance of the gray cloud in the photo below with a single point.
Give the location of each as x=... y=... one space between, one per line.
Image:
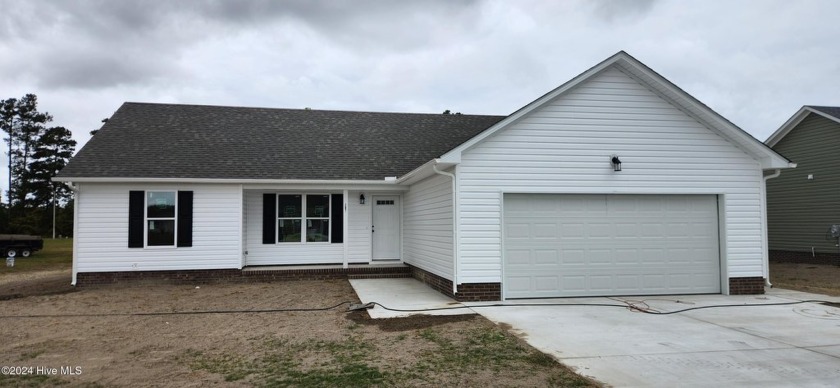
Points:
x=612 y=10
x=97 y=69
x=107 y=43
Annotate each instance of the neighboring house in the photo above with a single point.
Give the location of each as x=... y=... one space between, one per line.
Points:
x=479 y=207
x=803 y=203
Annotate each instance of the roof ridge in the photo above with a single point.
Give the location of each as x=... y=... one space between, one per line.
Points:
x=303 y=109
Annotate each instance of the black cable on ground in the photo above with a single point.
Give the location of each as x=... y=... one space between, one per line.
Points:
x=149 y=314
x=631 y=306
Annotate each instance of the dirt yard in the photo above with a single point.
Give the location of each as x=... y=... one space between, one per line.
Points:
x=107 y=346
x=96 y=334
x=816 y=278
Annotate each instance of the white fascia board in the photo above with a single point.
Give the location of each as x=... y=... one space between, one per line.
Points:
x=792 y=122
x=417 y=174
x=231 y=181
x=423 y=172
x=297 y=187
x=454 y=155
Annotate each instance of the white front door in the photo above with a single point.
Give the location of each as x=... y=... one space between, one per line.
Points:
x=386 y=227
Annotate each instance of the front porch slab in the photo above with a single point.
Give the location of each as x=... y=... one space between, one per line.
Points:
x=404 y=294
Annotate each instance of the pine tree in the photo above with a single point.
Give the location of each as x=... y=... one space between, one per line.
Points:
x=24 y=126
x=52 y=151
x=36 y=154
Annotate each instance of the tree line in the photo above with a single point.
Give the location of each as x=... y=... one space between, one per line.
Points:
x=34 y=204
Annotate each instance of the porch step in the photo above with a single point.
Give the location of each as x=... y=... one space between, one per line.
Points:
x=406 y=274
x=379 y=271
x=355 y=271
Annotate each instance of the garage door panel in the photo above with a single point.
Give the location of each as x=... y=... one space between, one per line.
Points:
x=572 y=232
x=545 y=231
x=518 y=284
x=546 y=283
x=626 y=282
x=518 y=230
x=546 y=257
x=573 y=284
x=572 y=256
x=626 y=256
x=655 y=282
x=598 y=230
x=518 y=258
x=602 y=283
x=583 y=245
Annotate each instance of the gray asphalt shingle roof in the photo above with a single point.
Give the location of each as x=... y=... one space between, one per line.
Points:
x=829 y=110
x=145 y=140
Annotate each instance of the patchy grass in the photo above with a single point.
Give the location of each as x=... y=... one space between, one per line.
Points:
x=30 y=355
x=356 y=362
x=31 y=381
x=311 y=363
x=42 y=381
x=57 y=254
x=496 y=350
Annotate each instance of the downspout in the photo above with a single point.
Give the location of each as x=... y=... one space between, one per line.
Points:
x=345 y=222
x=765 y=247
x=75 y=259
x=454 y=226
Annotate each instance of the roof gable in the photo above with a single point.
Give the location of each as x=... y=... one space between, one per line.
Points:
x=830 y=112
x=659 y=85
x=168 y=141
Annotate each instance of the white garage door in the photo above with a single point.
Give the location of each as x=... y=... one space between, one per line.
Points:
x=559 y=245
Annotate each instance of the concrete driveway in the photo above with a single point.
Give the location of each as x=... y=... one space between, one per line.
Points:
x=793 y=345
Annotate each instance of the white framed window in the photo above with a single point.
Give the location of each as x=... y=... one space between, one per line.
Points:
x=303 y=218
x=160 y=218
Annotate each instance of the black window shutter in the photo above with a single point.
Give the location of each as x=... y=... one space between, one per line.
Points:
x=269 y=227
x=185 y=218
x=337 y=228
x=136 y=213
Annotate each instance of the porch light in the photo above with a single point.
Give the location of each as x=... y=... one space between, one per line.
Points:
x=616 y=163
x=362 y=199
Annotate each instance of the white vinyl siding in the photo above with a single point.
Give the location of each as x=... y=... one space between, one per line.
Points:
x=427 y=226
x=565 y=147
x=102 y=230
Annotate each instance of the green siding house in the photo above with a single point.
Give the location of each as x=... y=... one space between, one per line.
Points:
x=802 y=203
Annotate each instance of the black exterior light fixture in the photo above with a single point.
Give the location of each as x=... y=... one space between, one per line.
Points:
x=362 y=199
x=616 y=163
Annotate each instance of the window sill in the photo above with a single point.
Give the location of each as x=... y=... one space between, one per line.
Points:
x=305 y=243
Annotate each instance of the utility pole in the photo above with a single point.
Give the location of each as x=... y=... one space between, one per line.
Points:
x=53 y=201
x=9 y=209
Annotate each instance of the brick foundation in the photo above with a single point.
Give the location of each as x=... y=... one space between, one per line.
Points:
x=242 y=276
x=467 y=292
x=778 y=256
x=746 y=286
x=479 y=292
x=438 y=283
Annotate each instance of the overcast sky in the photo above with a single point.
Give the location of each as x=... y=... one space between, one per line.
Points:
x=755 y=62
